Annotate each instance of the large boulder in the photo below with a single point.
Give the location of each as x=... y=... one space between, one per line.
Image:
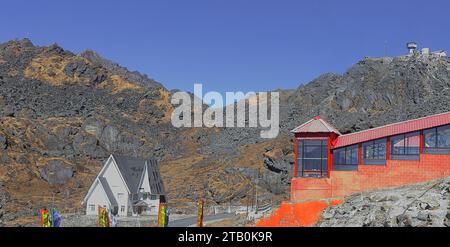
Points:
x=280 y=168
x=56 y=172
x=87 y=145
x=110 y=138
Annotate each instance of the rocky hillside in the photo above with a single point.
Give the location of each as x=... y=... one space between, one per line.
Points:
x=374 y=92
x=420 y=205
x=62 y=114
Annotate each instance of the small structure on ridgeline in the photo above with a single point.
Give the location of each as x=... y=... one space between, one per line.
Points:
x=126 y=186
x=412 y=47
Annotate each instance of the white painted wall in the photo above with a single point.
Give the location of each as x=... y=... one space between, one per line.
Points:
x=145 y=182
x=97 y=198
x=117 y=185
x=152 y=204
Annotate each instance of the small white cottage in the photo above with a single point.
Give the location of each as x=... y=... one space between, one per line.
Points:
x=126 y=186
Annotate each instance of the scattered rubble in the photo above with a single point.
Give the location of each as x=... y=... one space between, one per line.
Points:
x=419 y=205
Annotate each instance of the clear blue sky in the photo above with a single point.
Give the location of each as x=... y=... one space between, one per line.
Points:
x=231 y=45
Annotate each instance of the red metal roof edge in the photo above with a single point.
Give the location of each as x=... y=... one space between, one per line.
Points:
x=357 y=137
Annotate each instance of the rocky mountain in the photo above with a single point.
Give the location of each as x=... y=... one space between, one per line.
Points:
x=62 y=114
x=374 y=92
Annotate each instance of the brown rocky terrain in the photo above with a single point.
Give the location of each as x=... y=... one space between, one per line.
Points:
x=62 y=114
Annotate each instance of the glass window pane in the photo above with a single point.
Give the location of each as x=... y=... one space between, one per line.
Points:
x=413 y=139
x=380 y=146
x=325 y=152
x=353 y=155
x=312 y=152
x=312 y=165
x=325 y=165
x=413 y=143
x=398 y=144
x=408 y=144
x=368 y=151
x=381 y=151
x=339 y=156
x=375 y=150
x=312 y=157
x=443 y=138
x=430 y=138
x=346 y=156
x=313 y=142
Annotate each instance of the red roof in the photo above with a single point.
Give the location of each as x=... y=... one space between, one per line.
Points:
x=315 y=125
x=393 y=129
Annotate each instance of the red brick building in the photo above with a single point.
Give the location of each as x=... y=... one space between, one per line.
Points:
x=330 y=165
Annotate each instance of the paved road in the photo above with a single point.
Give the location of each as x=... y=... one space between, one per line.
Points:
x=192 y=220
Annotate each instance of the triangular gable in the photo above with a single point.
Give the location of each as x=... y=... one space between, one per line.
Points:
x=316 y=125
x=141 y=181
x=154 y=180
x=96 y=182
x=102 y=171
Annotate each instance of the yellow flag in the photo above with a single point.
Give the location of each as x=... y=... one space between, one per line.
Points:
x=103 y=218
x=162 y=215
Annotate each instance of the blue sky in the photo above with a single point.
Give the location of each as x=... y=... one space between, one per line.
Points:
x=231 y=45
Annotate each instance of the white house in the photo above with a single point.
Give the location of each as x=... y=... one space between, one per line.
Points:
x=126 y=186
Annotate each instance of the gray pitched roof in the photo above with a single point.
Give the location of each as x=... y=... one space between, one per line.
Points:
x=108 y=191
x=156 y=184
x=132 y=170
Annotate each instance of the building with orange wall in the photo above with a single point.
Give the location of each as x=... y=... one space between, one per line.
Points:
x=331 y=165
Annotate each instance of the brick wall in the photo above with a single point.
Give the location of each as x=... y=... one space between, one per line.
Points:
x=395 y=173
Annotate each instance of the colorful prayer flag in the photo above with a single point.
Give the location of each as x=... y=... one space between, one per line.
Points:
x=45 y=218
x=103 y=217
x=162 y=215
x=55 y=218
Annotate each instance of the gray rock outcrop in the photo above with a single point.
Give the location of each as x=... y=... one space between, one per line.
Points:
x=419 y=205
